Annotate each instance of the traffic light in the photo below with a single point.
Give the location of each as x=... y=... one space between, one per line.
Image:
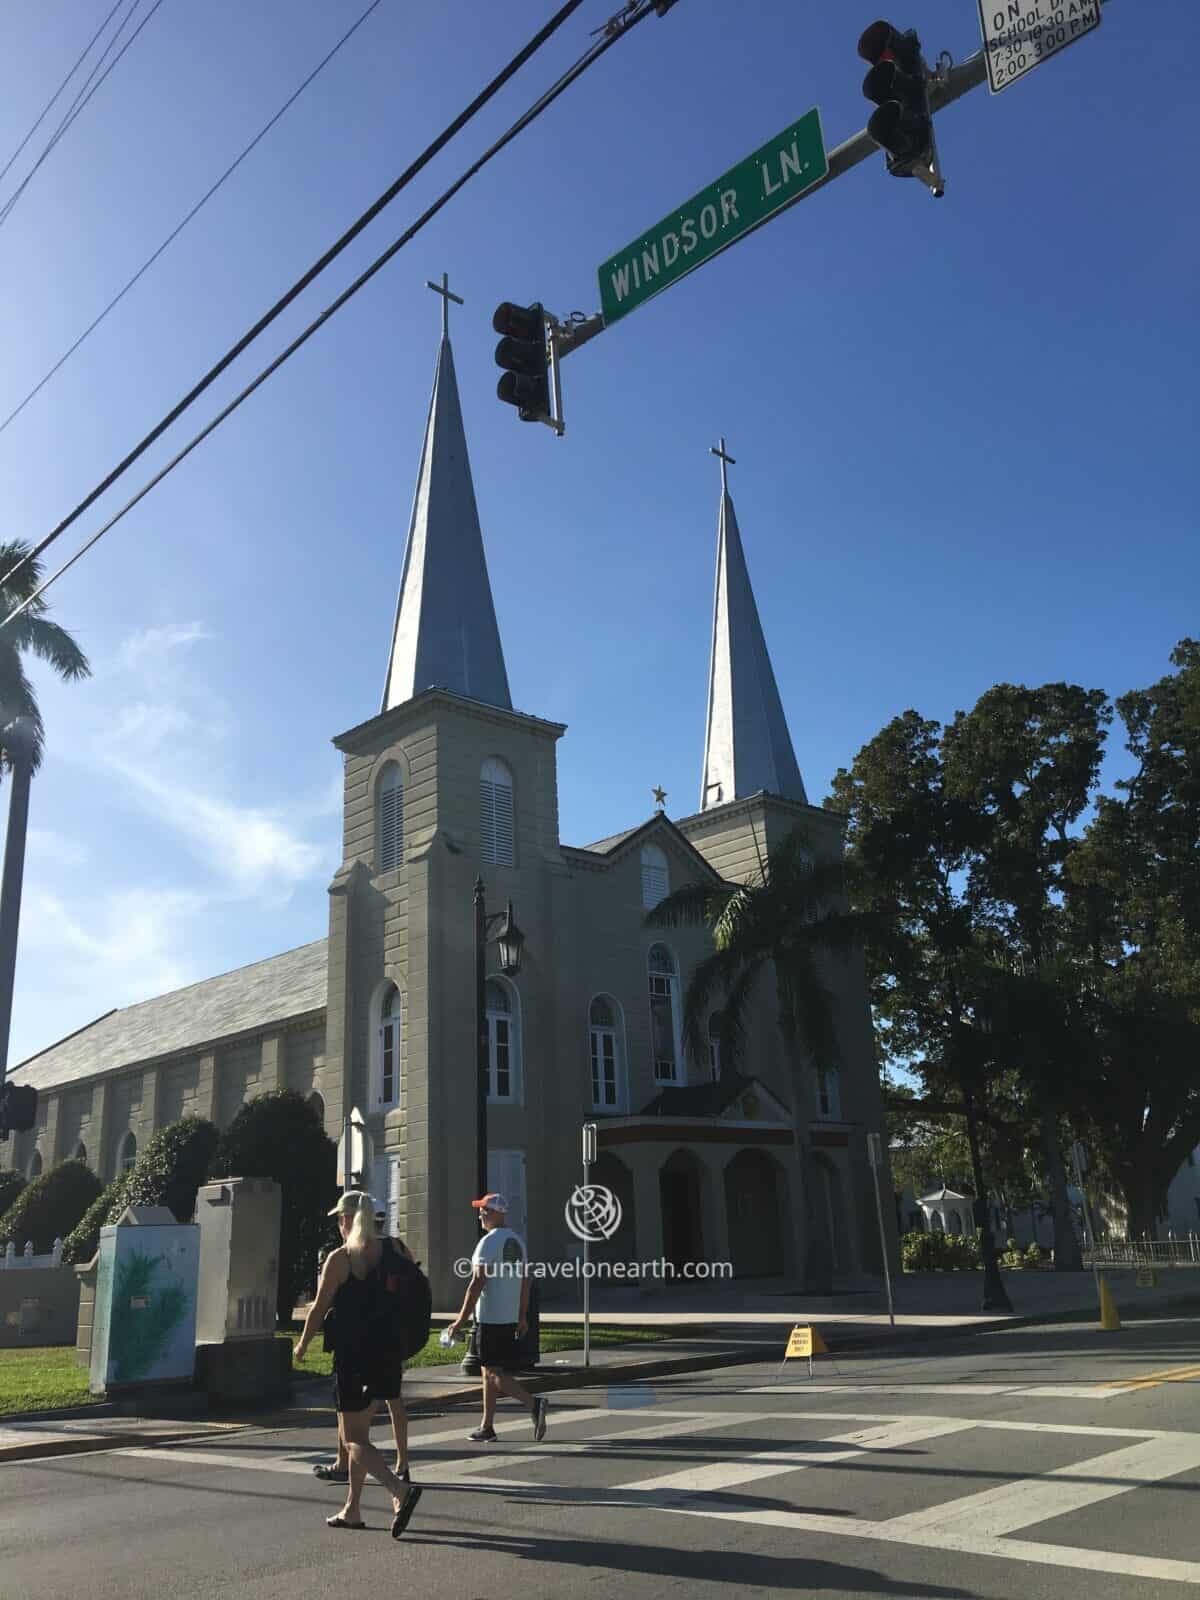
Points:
x=18 y=1108
x=524 y=353
x=898 y=84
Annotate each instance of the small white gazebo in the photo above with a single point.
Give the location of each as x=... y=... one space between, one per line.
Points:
x=947 y=1211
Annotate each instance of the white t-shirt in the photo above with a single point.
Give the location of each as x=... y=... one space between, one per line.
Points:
x=502 y=1253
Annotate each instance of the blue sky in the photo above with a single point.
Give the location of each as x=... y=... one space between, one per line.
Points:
x=964 y=428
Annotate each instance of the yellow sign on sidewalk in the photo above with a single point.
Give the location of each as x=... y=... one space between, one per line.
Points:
x=805 y=1342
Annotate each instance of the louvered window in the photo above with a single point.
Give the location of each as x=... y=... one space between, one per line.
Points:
x=496 y=814
x=391 y=818
x=656 y=884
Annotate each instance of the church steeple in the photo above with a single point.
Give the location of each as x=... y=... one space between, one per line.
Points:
x=747 y=746
x=445 y=633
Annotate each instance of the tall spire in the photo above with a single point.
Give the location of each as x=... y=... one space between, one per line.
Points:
x=747 y=746
x=445 y=634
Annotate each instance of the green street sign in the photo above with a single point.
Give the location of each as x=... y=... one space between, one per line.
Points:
x=715 y=218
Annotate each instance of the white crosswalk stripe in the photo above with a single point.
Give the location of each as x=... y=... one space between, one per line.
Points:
x=1043 y=1391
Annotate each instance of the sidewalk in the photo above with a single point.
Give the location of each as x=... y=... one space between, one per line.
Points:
x=731 y=1329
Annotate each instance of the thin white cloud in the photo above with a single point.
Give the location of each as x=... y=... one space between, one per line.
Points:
x=150 y=644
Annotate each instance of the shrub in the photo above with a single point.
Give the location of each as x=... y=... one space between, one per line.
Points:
x=11 y=1184
x=278 y=1135
x=167 y=1173
x=1035 y=1256
x=50 y=1206
x=938 y=1252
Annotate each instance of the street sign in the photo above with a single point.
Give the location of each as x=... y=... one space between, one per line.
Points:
x=712 y=220
x=1019 y=35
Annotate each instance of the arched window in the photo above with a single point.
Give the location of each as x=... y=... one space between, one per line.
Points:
x=504 y=1043
x=387 y=1063
x=34 y=1169
x=496 y=813
x=81 y=1151
x=604 y=1051
x=664 y=1015
x=714 y=1045
x=829 y=1097
x=390 y=814
x=127 y=1154
x=656 y=880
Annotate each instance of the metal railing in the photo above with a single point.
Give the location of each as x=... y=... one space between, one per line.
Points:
x=1176 y=1251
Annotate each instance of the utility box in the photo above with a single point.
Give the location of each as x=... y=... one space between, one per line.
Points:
x=238 y=1220
x=144 y=1327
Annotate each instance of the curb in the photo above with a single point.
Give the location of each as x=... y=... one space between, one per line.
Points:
x=93 y=1444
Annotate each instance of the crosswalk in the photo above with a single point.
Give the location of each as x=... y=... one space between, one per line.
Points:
x=590 y=1445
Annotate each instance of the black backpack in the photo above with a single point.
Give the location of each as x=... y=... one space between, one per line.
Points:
x=402 y=1304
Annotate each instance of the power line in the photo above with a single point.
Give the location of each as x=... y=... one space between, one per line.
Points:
x=203 y=201
x=45 y=111
x=635 y=11
x=82 y=99
x=303 y=282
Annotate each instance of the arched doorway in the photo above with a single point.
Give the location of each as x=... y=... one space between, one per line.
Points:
x=752 y=1212
x=612 y=1173
x=679 y=1192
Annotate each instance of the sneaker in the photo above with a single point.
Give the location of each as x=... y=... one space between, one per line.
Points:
x=540 y=1408
x=404 y=1474
x=483 y=1436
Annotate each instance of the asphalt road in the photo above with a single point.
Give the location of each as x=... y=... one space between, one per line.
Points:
x=1010 y=1464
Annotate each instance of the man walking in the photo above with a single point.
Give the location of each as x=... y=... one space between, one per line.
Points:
x=498 y=1293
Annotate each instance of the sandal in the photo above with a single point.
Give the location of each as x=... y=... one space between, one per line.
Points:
x=340 y=1522
x=330 y=1472
x=401 y=1520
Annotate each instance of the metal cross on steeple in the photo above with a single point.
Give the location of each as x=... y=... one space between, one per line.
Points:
x=719 y=452
x=443 y=289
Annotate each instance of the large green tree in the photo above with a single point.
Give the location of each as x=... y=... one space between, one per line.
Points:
x=1027 y=764
x=787 y=923
x=30 y=634
x=910 y=843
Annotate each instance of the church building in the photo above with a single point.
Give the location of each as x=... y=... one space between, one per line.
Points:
x=446 y=784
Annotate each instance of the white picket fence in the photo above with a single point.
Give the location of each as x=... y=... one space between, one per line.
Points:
x=10 y=1258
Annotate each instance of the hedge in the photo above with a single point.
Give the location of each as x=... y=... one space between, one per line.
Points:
x=278 y=1135
x=48 y=1208
x=11 y=1184
x=938 y=1252
x=168 y=1173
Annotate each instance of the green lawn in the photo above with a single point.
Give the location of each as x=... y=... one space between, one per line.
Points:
x=33 y=1380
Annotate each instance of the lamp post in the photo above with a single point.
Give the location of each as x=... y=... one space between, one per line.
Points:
x=501 y=928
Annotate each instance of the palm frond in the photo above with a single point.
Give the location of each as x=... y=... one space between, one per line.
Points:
x=55 y=646
x=695 y=905
x=712 y=976
x=812 y=1019
x=733 y=1014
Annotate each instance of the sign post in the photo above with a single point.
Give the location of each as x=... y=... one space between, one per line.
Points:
x=739 y=201
x=875 y=1157
x=589 y=1157
x=1017 y=38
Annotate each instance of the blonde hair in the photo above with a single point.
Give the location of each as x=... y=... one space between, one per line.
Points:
x=362 y=1230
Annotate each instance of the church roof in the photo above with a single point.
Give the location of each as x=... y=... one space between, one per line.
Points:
x=747 y=746
x=445 y=634
x=254 y=997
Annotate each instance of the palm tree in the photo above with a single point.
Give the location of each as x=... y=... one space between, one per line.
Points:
x=788 y=918
x=30 y=633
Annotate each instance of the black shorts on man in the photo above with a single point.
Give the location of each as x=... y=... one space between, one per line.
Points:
x=496 y=1344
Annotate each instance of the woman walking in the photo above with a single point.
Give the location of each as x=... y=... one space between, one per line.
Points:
x=365 y=1368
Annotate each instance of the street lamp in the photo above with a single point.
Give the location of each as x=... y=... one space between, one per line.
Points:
x=501 y=928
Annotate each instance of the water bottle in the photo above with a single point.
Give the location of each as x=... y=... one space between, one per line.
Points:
x=445 y=1338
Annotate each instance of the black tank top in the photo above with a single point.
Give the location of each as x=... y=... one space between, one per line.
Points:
x=351 y=1313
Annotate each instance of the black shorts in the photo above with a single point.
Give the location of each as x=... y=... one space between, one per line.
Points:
x=496 y=1344
x=355 y=1386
